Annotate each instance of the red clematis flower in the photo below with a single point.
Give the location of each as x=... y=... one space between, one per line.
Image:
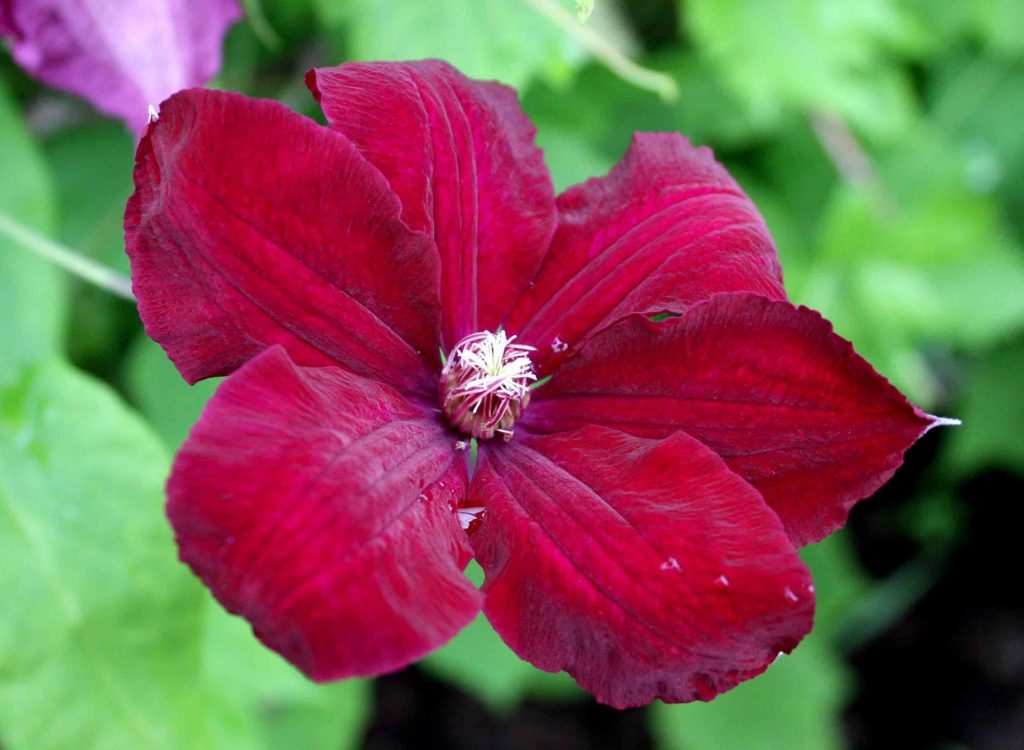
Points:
x=384 y=290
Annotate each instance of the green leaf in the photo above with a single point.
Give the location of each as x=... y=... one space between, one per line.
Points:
x=270 y=703
x=998 y=22
x=962 y=97
x=941 y=270
x=32 y=295
x=261 y=27
x=992 y=434
x=961 y=100
x=795 y=705
x=921 y=262
x=891 y=600
x=831 y=55
x=585 y=127
x=335 y=718
x=839 y=581
x=261 y=700
x=569 y=158
x=94 y=161
x=994 y=23
x=804 y=190
x=99 y=643
x=489 y=39
x=478 y=662
x=162 y=395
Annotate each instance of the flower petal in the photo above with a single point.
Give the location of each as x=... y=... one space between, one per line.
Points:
x=252 y=226
x=460 y=155
x=7 y=27
x=318 y=505
x=668 y=227
x=768 y=386
x=122 y=56
x=644 y=568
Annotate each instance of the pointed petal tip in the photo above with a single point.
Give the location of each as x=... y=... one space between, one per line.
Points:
x=942 y=422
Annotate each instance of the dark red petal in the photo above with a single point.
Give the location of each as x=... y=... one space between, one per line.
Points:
x=460 y=155
x=318 y=505
x=252 y=226
x=668 y=227
x=644 y=568
x=768 y=386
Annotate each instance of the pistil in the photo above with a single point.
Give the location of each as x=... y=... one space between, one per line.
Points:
x=485 y=384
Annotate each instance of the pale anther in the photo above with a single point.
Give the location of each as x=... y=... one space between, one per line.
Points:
x=485 y=384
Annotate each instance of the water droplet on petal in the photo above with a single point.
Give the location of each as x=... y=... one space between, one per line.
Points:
x=558 y=346
x=470 y=518
x=670 y=564
x=422 y=498
x=722 y=581
x=790 y=596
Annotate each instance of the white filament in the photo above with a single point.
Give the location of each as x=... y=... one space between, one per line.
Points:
x=498 y=367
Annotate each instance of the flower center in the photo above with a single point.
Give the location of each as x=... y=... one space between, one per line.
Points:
x=485 y=384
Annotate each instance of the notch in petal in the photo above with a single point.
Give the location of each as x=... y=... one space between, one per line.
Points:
x=666 y=228
x=319 y=506
x=644 y=568
x=767 y=385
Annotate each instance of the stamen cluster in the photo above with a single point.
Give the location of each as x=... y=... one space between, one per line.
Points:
x=485 y=384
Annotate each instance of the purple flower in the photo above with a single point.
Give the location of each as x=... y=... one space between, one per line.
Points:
x=121 y=55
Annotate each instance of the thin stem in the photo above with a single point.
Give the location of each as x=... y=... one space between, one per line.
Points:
x=851 y=159
x=260 y=26
x=645 y=78
x=68 y=259
x=843 y=148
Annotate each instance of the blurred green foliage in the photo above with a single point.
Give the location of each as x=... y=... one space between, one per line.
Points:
x=33 y=300
x=99 y=643
x=882 y=140
x=498 y=39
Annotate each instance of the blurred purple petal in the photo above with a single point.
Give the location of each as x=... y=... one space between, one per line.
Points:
x=121 y=55
x=6 y=22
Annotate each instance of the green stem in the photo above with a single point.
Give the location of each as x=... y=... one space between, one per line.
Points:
x=850 y=158
x=260 y=26
x=68 y=259
x=645 y=78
